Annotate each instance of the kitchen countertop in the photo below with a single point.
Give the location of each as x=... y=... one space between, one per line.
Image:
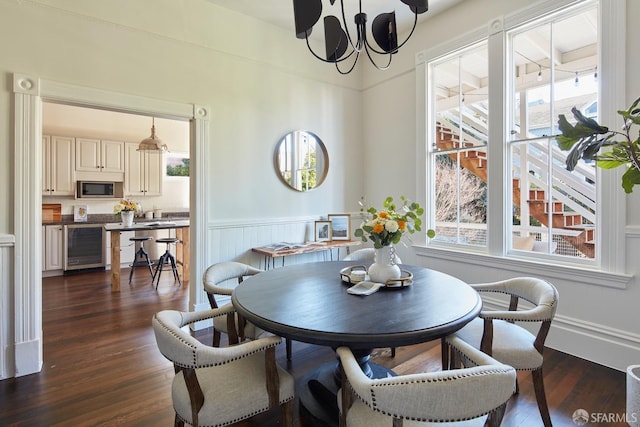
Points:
x=147 y=225
x=112 y=219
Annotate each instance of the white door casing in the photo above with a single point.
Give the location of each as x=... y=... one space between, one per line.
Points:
x=24 y=350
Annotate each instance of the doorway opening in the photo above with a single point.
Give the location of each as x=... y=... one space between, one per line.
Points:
x=25 y=319
x=81 y=140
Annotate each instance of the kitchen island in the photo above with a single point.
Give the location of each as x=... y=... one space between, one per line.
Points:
x=182 y=247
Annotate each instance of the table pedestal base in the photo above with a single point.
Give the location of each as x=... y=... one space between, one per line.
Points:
x=319 y=392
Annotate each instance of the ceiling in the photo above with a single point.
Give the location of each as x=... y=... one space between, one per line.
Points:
x=574 y=51
x=280 y=12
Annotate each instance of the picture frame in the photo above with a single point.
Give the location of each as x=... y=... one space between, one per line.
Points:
x=340 y=226
x=322 y=231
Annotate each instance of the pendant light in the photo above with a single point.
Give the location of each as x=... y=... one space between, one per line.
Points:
x=152 y=143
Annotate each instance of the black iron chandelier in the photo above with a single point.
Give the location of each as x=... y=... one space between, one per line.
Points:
x=338 y=38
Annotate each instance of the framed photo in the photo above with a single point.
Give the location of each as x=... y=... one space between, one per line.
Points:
x=340 y=226
x=322 y=231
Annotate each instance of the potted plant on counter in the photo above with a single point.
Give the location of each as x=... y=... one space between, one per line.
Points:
x=587 y=138
x=126 y=209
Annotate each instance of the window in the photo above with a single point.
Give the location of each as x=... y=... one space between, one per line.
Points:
x=459 y=145
x=495 y=177
x=553 y=68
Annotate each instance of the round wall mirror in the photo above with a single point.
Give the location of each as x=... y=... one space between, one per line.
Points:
x=301 y=160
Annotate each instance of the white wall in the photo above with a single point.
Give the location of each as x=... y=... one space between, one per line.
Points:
x=257 y=82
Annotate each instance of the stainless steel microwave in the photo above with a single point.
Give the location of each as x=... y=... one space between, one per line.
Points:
x=99 y=190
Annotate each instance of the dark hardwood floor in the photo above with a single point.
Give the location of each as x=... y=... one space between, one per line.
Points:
x=102 y=366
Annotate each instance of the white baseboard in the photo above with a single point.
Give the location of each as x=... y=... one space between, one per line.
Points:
x=8 y=366
x=28 y=358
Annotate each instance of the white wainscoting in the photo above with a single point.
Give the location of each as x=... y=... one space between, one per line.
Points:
x=7 y=359
x=233 y=241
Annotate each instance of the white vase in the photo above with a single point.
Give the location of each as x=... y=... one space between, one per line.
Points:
x=127 y=218
x=384 y=267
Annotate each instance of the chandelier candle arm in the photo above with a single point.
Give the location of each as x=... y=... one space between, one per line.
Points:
x=338 y=37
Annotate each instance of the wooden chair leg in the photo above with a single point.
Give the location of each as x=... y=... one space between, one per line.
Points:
x=216 y=338
x=232 y=333
x=287 y=343
x=393 y=352
x=538 y=386
x=287 y=413
x=177 y=422
x=495 y=417
x=444 y=348
x=346 y=396
x=455 y=361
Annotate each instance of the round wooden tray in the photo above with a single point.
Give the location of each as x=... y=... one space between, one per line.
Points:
x=405 y=279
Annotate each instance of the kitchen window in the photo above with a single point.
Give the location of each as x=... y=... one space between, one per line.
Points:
x=495 y=179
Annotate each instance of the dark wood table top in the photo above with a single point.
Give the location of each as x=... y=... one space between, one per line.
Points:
x=310 y=303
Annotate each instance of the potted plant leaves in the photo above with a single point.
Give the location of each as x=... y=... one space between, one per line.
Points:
x=586 y=138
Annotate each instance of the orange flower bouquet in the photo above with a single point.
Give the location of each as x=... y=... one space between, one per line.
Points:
x=388 y=225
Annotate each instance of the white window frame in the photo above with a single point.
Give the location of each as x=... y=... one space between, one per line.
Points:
x=608 y=269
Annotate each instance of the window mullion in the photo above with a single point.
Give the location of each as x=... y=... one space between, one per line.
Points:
x=498 y=214
x=611 y=199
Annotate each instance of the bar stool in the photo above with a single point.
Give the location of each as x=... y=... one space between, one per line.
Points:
x=166 y=258
x=141 y=256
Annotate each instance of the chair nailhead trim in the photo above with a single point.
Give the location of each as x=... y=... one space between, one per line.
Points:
x=373 y=396
x=194 y=363
x=554 y=303
x=236 y=420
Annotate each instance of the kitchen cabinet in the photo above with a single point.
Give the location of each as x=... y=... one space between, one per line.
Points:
x=127 y=248
x=53 y=244
x=99 y=155
x=143 y=172
x=58 y=166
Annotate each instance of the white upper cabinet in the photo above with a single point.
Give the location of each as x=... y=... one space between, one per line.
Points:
x=143 y=172
x=95 y=155
x=58 y=166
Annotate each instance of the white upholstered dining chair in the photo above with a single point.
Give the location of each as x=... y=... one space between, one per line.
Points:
x=220 y=279
x=462 y=397
x=218 y=386
x=498 y=334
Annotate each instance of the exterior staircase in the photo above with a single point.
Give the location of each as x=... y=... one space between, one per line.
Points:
x=568 y=212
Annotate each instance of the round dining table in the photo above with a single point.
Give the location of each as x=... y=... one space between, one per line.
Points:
x=310 y=303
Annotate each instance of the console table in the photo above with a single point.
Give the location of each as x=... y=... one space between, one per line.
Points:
x=271 y=252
